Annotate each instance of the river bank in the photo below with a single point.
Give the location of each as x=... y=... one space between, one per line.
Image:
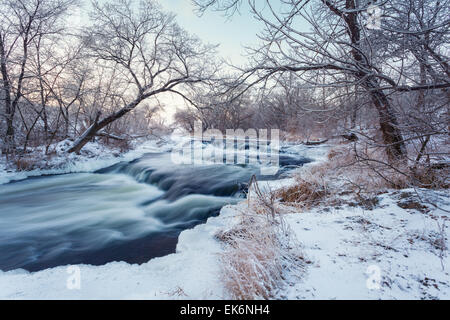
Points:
x=93 y=157
x=392 y=247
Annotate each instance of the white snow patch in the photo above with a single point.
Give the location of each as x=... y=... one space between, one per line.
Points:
x=344 y=244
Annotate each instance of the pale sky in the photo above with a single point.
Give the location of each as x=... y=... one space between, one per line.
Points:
x=231 y=34
x=212 y=27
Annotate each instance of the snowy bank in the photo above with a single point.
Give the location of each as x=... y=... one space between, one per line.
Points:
x=193 y=272
x=396 y=248
x=389 y=252
x=94 y=156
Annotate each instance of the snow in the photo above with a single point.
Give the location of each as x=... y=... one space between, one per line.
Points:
x=94 y=156
x=193 y=272
x=272 y=185
x=342 y=245
x=390 y=252
x=346 y=245
x=317 y=153
x=347 y=248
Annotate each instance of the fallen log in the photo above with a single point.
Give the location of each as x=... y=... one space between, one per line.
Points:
x=110 y=136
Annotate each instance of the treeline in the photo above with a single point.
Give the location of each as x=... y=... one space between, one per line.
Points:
x=378 y=72
x=67 y=80
x=299 y=111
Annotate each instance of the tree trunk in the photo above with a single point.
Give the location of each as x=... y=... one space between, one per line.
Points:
x=9 y=112
x=91 y=132
x=9 y=138
x=86 y=136
x=392 y=138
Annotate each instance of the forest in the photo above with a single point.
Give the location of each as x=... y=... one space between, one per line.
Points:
x=366 y=82
x=103 y=79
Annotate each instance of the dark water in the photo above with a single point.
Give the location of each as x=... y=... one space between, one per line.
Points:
x=129 y=212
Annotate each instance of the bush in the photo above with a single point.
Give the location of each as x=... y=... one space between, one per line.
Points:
x=25 y=164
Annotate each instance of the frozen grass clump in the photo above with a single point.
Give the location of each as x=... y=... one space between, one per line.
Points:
x=260 y=250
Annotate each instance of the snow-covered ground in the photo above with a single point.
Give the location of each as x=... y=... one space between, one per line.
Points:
x=385 y=253
x=93 y=156
x=191 y=273
x=396 y=250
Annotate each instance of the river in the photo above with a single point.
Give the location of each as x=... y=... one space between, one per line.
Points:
x=132 y=211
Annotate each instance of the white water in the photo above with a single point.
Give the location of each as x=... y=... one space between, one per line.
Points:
x=129 y=212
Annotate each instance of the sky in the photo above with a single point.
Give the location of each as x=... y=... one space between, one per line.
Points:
x=213 y=27
x=230 y=33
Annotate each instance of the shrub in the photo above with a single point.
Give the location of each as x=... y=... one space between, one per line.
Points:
x=25 y=164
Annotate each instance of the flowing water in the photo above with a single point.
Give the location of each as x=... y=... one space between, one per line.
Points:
x=129 y=212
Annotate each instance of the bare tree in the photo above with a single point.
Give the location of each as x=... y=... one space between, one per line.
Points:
x=336 y=52
x=22 y=22
x=148 y=52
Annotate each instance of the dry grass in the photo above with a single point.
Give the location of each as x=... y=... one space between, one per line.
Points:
x=178 y=292
x=25 y=164
x=371 y=166
x=346 y=174
x=260 y=249
x=351 y=174
x=306 y=193
x=342 y=174
x=431 y=177
x=251 y=264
